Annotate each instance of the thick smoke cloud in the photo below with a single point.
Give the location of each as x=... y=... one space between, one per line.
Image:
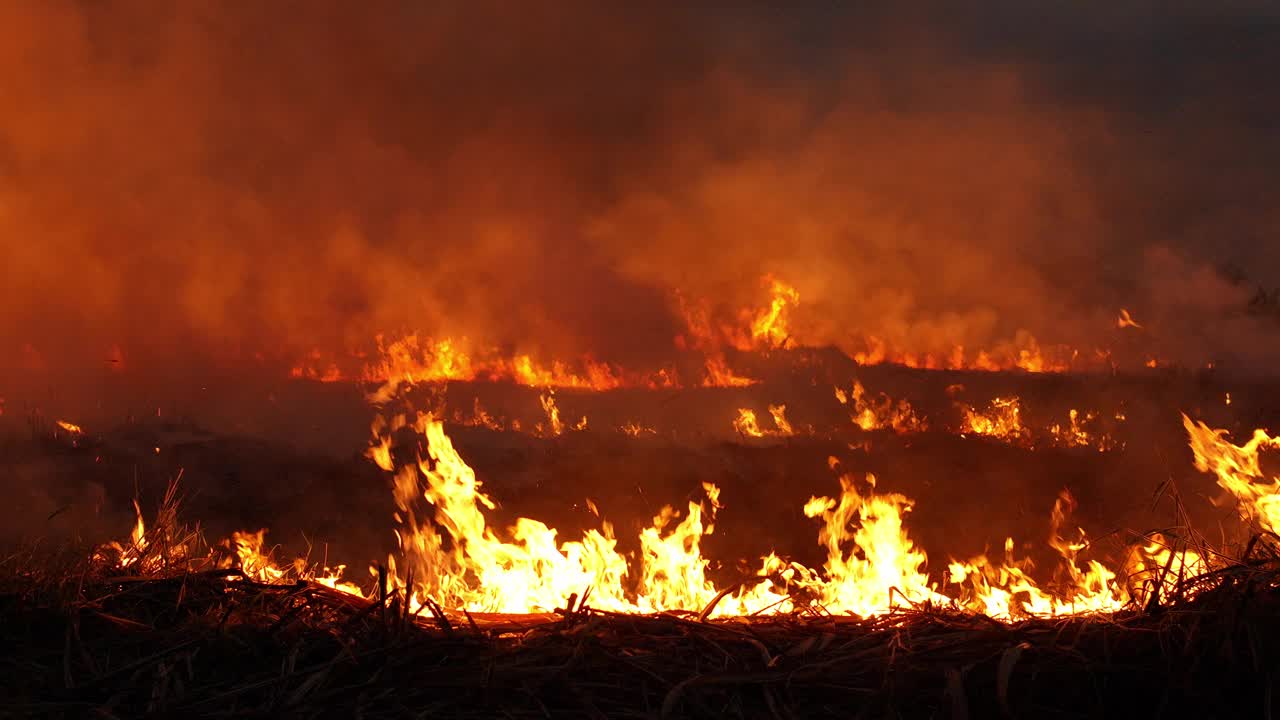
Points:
x=220 y=180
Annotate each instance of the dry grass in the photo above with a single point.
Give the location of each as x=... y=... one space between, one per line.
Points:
x=184 y=637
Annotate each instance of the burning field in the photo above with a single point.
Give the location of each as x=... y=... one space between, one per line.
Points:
x=797 y=532
x=577 y=360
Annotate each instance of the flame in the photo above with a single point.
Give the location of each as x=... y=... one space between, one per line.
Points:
x=882 y=568
x=1002 y=419
x=1006 y=591
x=412 y=360
x=474 y=569
x=1239 y=470
x=769 y=326
x=128 y=556
x=779 y=413
x=1075 y=434
x=1160 y=565
x=70 y=427
x=554 y=426
x=139 y=533
x=719 y=374
x=479 y=417
x=1126 y=321
x=450 y=555
x=1023 y=352
x=247 y=548
x=635 y=429
x=881 y=413
x=872 y=564
x=746 y=423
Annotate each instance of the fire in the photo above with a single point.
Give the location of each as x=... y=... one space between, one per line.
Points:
x=702 y=336
x=247 y=546
x=881 y=413
x=1239 y=470
x=450 y=555
x=1076 y=434
x=872 y=563
x=719 y=375
x=746 y=423
x=769 y=326
x=70 y=427
x=138 y=540
x=531 y=571
x=714 y=335
x=1126 y=321
x=411 y=360
x=553 y=426
x=1002 y=419
x=881 y=569
x=635 y=429
x=1160 y=565
x=479 y=417
x=1023 y=352
x=779 y=413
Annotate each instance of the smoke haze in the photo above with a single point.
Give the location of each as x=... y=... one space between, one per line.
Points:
x=219 y=181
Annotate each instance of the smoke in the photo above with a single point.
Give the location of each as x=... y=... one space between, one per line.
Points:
x=212 y=183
